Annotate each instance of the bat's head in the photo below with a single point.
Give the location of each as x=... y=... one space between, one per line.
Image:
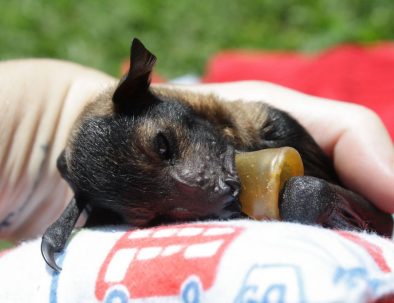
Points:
x=149 y=158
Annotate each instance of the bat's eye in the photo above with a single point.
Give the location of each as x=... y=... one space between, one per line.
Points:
x=163 y=147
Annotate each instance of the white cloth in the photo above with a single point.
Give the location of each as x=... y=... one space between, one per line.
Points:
x=238 y=261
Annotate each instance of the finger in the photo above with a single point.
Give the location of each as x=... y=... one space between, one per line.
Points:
x=354 y=137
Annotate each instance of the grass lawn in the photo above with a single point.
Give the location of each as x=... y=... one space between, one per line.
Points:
x=4 y=245
x=184 y=34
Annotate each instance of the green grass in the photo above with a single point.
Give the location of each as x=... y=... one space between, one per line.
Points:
x=184 y=34
x=5 y=245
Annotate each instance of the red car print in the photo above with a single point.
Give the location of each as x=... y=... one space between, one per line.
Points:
x=373 y=250
x=164 y=261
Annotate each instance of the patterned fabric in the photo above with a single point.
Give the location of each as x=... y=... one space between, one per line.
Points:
x=238 y=261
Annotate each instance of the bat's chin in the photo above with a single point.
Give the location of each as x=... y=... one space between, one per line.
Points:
x=230 y=209
x=218 y=207
x=181 y=213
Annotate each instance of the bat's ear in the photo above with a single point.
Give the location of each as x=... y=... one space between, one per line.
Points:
x=132 y=94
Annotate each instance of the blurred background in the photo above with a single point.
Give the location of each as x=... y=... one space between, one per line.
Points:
x=184 y=34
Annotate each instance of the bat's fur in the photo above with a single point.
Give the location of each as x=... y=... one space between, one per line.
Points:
x=145 y=156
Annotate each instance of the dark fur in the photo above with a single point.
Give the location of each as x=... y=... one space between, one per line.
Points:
x=145 y=156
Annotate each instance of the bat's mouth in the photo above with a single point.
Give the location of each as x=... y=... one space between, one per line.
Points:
x=230 y=209
x=181 y=213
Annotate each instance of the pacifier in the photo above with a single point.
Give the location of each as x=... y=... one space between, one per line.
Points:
x=263 y=175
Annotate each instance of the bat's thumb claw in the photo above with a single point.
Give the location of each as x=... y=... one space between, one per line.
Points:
x=48 y=252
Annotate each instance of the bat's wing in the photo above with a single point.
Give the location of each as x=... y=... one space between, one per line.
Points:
x=310 y=200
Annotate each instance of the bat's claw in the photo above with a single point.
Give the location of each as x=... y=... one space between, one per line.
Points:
x=48 y=252
x=55 y=237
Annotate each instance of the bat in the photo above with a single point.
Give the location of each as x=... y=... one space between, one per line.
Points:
x=145 y=156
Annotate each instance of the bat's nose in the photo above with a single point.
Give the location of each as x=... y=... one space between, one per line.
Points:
x=228 y=187
x=234 y=185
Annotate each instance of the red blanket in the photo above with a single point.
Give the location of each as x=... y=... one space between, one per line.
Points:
x=362 y=75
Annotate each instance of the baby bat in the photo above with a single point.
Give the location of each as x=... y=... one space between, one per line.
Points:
x=145 y=156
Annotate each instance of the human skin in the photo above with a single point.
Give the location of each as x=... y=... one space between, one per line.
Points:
x=41 y=99
x=353 y=136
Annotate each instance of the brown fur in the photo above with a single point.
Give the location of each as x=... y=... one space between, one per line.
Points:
x=242 y=123
x=239 y=121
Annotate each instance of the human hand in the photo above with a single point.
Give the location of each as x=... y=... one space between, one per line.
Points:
x=353 y=136
x=39 y=101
